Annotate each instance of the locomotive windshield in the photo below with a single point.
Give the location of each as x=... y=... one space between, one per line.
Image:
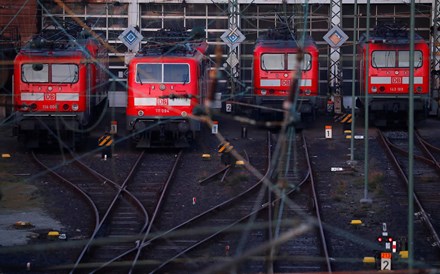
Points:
x=395 y=59
x=64 y=73
x=281 y=61
x=45 y=73
x=162 y=73
x=35 y=73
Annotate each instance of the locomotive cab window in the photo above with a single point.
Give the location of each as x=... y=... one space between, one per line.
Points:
x=277 y=61
x=403 y=61
x=149 y=73
x=292 y=61
x=162 y=73
x=272 y=61
x=35 y=73
x=393 y=59
x=57 y=73
x=64 y=73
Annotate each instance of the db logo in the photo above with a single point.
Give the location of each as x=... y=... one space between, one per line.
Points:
x=49 y=96
x=162 y=101
x=396 y=80
x=285 y=83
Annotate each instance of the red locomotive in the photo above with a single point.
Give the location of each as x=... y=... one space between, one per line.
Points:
x=60 y=78
x=388 y=74
x=275 y=64
x=167 y=79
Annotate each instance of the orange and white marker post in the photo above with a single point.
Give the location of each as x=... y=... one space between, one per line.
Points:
x=114 y=127
x=328 y=132
x=385 y=261
x=214 y=129
x=394 y=246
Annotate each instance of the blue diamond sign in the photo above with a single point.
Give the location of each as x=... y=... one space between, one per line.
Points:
x=233 y=37
x=130 y=37
x=335 y=37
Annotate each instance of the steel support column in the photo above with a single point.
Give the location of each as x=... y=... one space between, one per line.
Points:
x=435 y=62
x=234 y=23
x=335 y=71
x=133 y=17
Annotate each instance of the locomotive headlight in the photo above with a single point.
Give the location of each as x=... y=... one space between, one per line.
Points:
x=39 y=88
x=308 y=92
x=286 y=75
x=59 y=88
x=49 y=88
x=419 y=89
x=263 y=92
x=162 y=87
x=140 y=113
x=75 y=107
x=373 y=89
x=184 y=114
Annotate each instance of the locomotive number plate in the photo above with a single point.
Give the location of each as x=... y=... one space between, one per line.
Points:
x=49 y=107
x=162 y=110
x=396 y=80
x=162 y=101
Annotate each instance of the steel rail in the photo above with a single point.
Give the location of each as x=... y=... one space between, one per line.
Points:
x=156 y=210
x=110 y=208
x=268 y=206
x=197 y=217
x=402 y=174
x=77 y=189
x=317 y=219
x=424 y=144
x=150 y=223
x=317 y=211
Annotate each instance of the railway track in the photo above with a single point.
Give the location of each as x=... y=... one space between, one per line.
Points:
x=247 y=223
x=425 y=178
x=169 y=246
x=299 y=200
x=120 y=210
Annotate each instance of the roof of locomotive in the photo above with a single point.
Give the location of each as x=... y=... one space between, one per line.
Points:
x=61 y=42
x=284 y=37
x=390 y=33
x=174 y=43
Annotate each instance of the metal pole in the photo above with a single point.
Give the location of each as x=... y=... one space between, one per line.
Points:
x=411 y=141
x=367 y=64
x=353 y=86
